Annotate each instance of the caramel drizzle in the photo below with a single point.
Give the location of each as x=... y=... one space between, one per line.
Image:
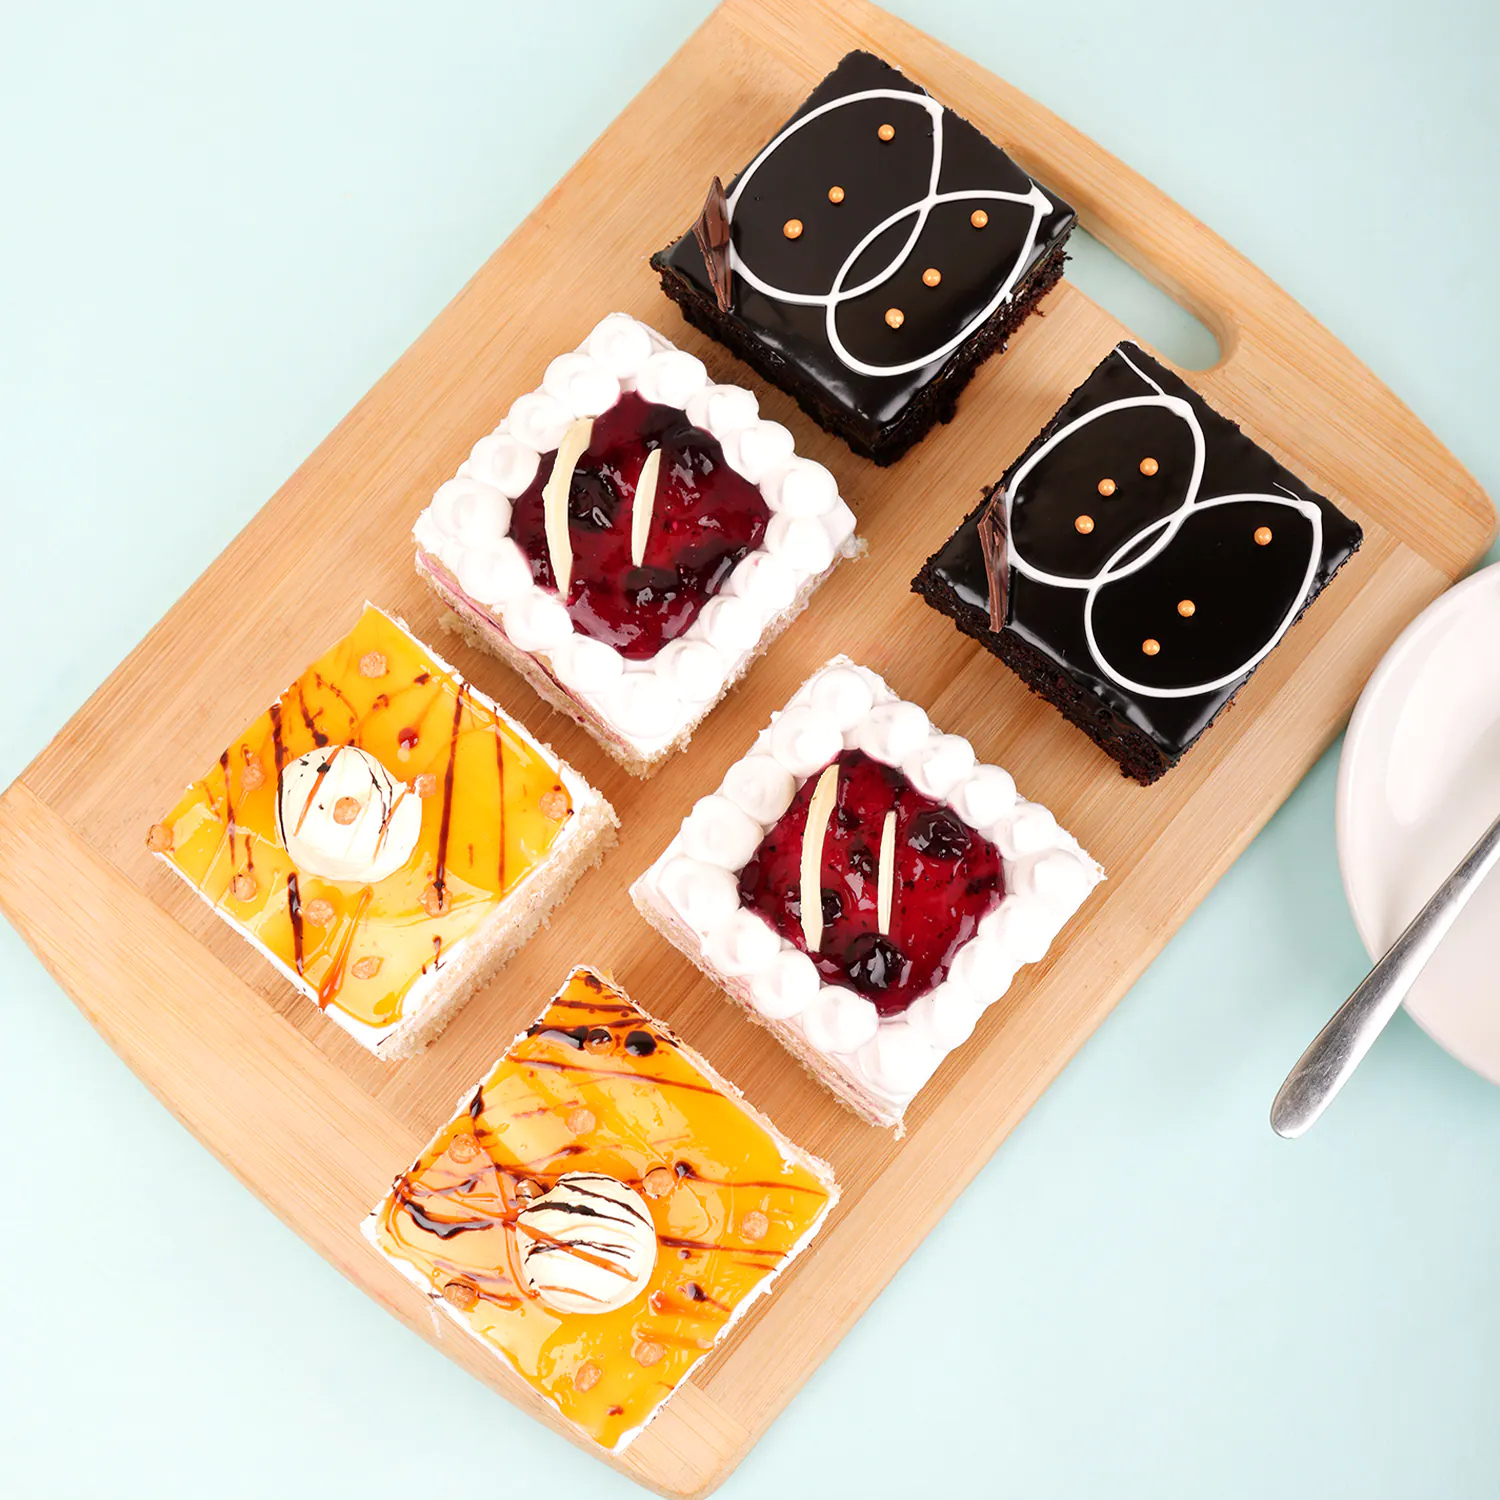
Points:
x=333 y=980
x=561 y=1066
x=312 y=795
x=440 y=870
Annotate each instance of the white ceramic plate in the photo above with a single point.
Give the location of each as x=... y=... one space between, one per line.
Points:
x=1419 y=781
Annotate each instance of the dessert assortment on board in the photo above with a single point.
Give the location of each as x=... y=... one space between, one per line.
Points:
x=1137 y=563
x=604 y=1206
x=601 y=1209
x=873 y=255
x=631 y=537
x=864 y=887
x=385 y=835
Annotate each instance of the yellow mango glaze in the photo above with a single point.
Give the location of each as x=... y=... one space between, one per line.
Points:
x=492 y=806
x=595 y=1085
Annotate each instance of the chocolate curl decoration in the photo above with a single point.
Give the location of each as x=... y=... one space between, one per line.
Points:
x=994 y=543
x=712 y=233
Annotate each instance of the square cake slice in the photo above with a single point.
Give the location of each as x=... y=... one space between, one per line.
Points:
x=864 y=888
x=630 y=538
x=1138 y=562
x=601 y=1210
x=385 y=835
x=873 y=255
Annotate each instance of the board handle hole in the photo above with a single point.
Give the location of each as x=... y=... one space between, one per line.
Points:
x=1142 y=306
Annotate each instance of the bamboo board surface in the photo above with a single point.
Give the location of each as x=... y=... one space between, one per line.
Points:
x=315 y=1126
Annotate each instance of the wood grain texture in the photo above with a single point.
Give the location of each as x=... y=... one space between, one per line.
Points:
x=314 y=1125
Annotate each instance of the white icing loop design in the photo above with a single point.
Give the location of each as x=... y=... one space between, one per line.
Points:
x=918 y=212
x=1115 y=568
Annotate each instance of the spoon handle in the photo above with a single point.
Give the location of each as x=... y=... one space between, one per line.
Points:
x=1339 y=1048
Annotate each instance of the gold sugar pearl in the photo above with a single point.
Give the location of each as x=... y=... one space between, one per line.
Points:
x=835 y=194
x=1150 y=646
x=1106 y=487
x=792 y=229
x=894 y=317
x=463 y=1148
x=979 y=218
x=461 y=1294
x=1186 y=608
x=1149 y=466
x=931 y=276
x=1262 y=536
x=1084 y=524
x=887 y=132
x=658 y=1182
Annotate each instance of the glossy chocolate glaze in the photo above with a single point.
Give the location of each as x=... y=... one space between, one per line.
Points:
x=1239 y=590
x=878 y=178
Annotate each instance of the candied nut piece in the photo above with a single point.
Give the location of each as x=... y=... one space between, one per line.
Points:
x=587 y=1375
x=425 y=785
x=527 y=1189
x=434 y=901
x=317 y=912
x=366 y=968
x=755 y=1225
x=373 y=664
x=554 y=804
x=649 y=1352
x=463 y=1295
x=463 y=1147
x=159 y=838
x=244 y=886
x=345 y=811
x=253 y=776
x=581 y=1121
x=658 y=1182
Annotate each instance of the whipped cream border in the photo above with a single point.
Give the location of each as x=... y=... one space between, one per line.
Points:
x=790 y=1152
x=415 y=1001
x=648 y=704
x=843 y=706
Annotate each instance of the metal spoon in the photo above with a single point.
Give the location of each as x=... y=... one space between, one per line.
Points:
x=1340 y=1047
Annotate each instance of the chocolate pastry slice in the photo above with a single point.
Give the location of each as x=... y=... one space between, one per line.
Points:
x=1153 y=556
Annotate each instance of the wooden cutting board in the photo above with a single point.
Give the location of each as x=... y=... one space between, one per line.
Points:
x=316 y=1127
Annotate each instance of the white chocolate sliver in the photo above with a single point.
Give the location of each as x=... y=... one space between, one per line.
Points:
x=887 y=871
x=642 y=506
x=575 y=443
x=819 y=810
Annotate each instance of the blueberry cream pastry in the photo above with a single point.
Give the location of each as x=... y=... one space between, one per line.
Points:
x=631 y=537
x=1138 y=562
x=601 y=1210
x=864 y=887
x=385 y=835
x=872 y=256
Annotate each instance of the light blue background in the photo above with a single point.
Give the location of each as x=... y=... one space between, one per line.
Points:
x=216 y=230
